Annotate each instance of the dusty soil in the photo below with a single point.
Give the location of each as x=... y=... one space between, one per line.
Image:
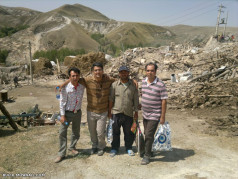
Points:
x=196 y=152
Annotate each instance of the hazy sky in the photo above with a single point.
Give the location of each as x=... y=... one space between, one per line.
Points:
x=158 y=12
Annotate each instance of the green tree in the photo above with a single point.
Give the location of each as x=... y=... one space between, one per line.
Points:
x=59 y=54
x=3 y=55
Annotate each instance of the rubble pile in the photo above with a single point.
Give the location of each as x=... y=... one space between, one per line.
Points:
x=42 y=67
x=202 y=77
x=84 y=62
x=178 y=59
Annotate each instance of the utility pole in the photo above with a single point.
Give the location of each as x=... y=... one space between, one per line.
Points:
x=224 y=32
x=122 y=47
x=218 y=18
x=30 y=63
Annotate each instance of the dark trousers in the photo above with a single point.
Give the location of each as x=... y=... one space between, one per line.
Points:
x=126 y=122
x=150 y=127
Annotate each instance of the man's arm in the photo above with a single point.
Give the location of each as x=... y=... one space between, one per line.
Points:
x=81 y=81
x=136 y=104
x=108 y=78
x=63 y=85
x=164 y=106
x=111 y=101
x=63 y=101
x=135 y=83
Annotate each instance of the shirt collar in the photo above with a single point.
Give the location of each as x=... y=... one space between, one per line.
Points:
x=119 y=82
x=72 y=86
x=155 y=81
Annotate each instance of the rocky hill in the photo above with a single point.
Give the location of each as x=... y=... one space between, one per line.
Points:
x=72 y=26
x=11 y=16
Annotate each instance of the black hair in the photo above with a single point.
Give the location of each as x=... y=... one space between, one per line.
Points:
x=97 y=64
x=74 y=69
x=151 y=63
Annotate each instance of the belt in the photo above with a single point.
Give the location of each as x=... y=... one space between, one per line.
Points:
x=73 y=111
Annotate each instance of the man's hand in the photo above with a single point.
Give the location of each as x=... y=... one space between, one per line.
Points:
x=63 y=119
x=62 y=85
x=162 y=120
x=109 y=115
x=136 y=116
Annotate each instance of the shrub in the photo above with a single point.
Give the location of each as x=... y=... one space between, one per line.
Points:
x=8 y=31
x=60 y=54
x=3 y=55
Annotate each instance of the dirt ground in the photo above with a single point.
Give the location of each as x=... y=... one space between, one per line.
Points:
x=196 y=153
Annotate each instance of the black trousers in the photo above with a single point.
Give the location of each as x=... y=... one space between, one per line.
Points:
x=126 y=122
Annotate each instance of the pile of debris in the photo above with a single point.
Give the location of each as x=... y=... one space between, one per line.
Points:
x=195 y=77
x=179 y=59
x=84 y=62
x=42 y=67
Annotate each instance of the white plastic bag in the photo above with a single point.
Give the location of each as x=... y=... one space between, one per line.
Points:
x=110 y=131
x=162 y=140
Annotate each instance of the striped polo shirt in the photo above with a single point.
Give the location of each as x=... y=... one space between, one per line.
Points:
x=97 y=93
x=152 y=96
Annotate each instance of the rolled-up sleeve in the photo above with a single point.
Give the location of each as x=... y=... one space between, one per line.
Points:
x=63 y=101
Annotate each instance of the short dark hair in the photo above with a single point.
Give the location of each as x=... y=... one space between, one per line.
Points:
x=74 y=69
x=151 y=63
x=97 y=64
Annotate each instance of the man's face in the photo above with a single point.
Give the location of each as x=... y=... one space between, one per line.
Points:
x=124 y=75
x=74 y=77
x=150 y=71
x=97 y=72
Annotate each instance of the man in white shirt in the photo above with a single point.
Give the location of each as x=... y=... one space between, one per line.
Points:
x=70 y=110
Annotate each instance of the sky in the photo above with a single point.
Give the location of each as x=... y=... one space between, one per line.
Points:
x=157 y=12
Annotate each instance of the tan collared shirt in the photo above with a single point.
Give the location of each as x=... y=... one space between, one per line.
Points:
x=125 y=98
x=97 y=93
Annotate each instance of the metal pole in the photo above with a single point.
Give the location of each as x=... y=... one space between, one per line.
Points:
x=30 y=63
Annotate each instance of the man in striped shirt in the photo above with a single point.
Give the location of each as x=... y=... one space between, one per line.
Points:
x=154 y=95
x=70 y=110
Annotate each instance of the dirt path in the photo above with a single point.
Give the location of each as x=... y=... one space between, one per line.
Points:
x=195 y=154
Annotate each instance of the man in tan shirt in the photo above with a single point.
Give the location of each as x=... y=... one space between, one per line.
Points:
x=123 y=102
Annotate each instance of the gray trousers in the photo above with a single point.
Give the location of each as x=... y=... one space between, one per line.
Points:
x=75 y=119
x=97 y=126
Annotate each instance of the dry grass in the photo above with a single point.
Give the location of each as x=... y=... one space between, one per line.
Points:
x=34 y=149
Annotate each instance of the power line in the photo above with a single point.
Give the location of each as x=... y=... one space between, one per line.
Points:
x=188 y=14
x=196 y=16
x=175 y=14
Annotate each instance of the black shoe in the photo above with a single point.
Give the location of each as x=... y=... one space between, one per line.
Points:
x=94 y=151
x=145 y=161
